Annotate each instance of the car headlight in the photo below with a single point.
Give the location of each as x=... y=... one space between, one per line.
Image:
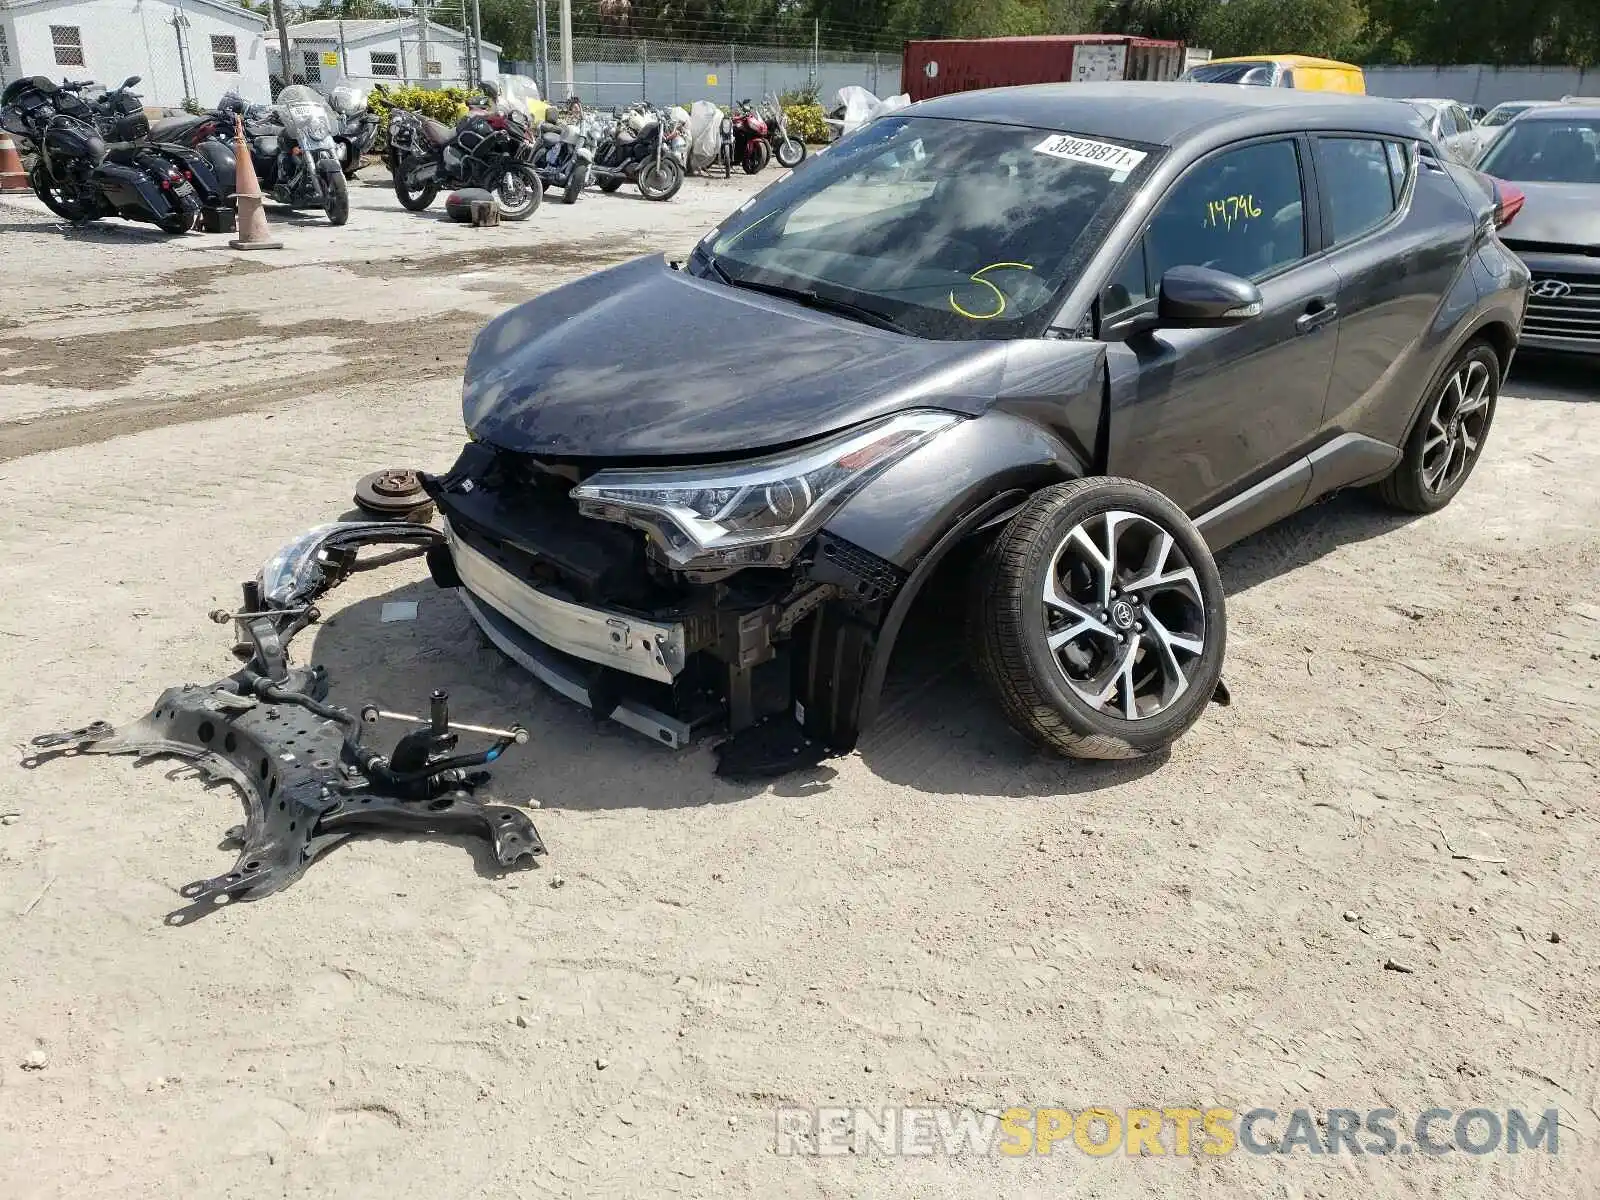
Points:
x=758 y=512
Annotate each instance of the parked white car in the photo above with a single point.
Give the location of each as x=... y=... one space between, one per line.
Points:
x=1452 y=129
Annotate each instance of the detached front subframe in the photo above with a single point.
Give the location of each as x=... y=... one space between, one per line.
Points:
x=306 y=779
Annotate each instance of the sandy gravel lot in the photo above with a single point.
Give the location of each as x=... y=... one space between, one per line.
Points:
x=1407 y=774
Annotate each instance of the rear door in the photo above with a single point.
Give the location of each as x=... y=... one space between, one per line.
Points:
x=1399 y=235
x=1216 y=410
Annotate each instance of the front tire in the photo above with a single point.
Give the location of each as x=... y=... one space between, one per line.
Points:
x=1449 y=434
x=791 y=152
x=336 y=199
x=661 y=181
x=1099 y=620
x=577 y=180
x=518 y=193
x=60 y=200
x=756 y=156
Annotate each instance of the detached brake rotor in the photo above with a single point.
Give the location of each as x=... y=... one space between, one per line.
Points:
x=394 y=494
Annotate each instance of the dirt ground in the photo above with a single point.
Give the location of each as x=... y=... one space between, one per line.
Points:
x=1407 y=775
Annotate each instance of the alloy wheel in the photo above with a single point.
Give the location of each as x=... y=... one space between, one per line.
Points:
x=1456 y=426
x=1124 y=616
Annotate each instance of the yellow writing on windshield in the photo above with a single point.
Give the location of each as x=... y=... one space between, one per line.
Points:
x=999 y=296
x=1226 y=212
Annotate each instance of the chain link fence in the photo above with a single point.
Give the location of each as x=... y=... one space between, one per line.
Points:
x=608 y=72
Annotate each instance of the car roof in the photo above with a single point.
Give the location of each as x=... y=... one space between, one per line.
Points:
x=1288 y=60
x=1165 y=114
x=1561 y=112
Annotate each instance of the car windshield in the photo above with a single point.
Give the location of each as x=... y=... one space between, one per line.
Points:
x=1258 y=74
x=944 y=229
x=1547 y=151
x=1502 y=113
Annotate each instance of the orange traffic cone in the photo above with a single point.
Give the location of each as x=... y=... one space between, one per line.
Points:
x=252 y=228
x=12 y=177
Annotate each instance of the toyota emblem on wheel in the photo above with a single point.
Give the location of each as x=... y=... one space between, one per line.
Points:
x=1551 y=289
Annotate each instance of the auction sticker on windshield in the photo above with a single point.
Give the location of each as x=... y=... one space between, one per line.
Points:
x=1119 y=160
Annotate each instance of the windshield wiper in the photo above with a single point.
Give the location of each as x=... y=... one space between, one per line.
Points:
x=811 y=299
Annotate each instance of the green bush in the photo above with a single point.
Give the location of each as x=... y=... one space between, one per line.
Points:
x=806 y=123
x=443 y=104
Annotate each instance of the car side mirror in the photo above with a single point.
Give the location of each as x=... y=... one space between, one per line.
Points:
x=1201 y=298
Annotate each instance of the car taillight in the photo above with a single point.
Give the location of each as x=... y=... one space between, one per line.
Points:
x=1508 y=202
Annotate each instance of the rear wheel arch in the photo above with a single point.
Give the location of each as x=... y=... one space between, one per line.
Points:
x=1501 y=338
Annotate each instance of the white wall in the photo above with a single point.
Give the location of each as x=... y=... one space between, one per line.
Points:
x=357 y=62
x=136 y=37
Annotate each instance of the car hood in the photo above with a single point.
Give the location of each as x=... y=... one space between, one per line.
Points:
x=643 y=361
x=1566 y=214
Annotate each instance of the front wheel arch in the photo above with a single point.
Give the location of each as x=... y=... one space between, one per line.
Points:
x=995 y=509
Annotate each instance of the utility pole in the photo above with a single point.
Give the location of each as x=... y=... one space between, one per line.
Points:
x=422 y=37
x=477 y=43
x=541 y=49
x=284 y=50
x=567 y=81
x=816 y=52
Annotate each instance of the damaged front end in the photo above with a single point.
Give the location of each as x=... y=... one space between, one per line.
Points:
x=299 y=763
x=681 y=600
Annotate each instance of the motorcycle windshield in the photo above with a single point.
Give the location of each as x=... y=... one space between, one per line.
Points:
x=302 y=112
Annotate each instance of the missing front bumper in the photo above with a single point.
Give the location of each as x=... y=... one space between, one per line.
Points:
x=649 y=649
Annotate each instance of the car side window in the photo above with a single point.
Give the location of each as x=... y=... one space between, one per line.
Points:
x=1241 y=211
x=1359 y=184
x=1287 y=79
x=1129 y=285
x=1399 y=167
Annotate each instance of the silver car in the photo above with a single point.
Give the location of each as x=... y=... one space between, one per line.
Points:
x=1452 y=129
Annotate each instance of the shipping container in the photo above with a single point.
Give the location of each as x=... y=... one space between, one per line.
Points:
x=937 y=68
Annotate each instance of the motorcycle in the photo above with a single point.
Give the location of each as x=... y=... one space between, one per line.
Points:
x=308 y=172
x=355 y=127
x=119 y=115
x=82 y=178
x=789 y=150
x=751 y=148
x=489 y=149
x=564 y=154
x=635 y=151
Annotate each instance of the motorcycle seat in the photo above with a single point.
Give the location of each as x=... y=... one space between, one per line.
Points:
x=172 y=129
x=123 y=153
x=437 y=133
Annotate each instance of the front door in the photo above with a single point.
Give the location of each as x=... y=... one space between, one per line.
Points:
x=1215 y=410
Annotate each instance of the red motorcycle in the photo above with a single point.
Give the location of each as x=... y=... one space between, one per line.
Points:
x=751 y=148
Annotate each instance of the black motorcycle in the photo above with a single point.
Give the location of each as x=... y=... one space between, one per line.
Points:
x=119 y=115
x=79 y=176
x=487 y=149
x=635 y=152
x=563 y=156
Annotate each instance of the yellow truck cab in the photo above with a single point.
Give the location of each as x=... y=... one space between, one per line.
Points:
x=1281 y=70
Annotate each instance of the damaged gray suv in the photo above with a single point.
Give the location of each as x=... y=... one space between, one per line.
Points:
x=1094 y=331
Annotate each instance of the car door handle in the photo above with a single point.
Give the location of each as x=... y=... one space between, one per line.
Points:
x=1317 y=314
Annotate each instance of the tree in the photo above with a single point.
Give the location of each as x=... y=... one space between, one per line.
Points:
x=1330 y=28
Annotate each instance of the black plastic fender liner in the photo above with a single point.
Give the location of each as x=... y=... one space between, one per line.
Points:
x=871 y=683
